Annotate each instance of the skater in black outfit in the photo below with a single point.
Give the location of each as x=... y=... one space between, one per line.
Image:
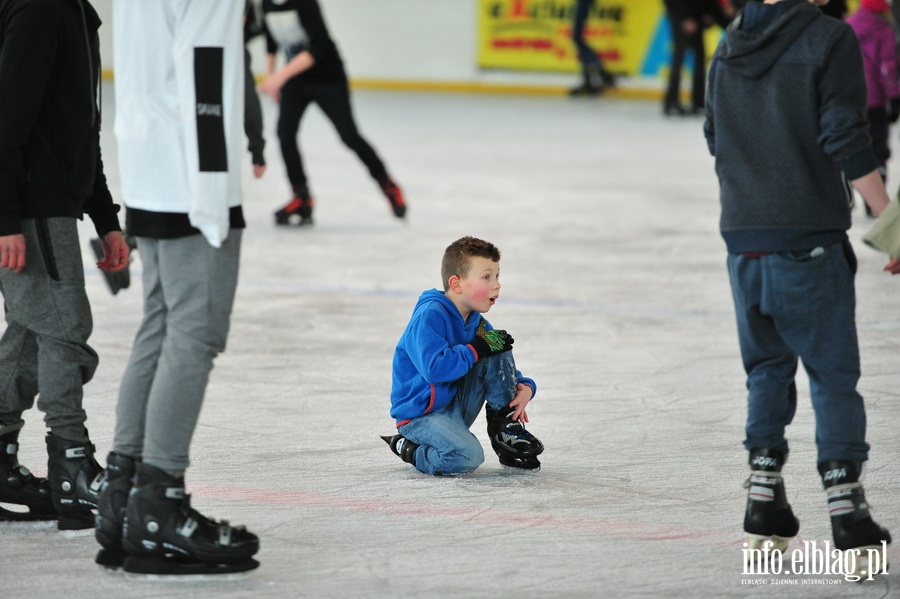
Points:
x=314 y=72
x=688 y=19
x=51 y=173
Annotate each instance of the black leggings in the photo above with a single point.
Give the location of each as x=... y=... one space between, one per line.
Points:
x=334 y=100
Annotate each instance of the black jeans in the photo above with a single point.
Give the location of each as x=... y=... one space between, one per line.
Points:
x=334 y=100
x=681 y=42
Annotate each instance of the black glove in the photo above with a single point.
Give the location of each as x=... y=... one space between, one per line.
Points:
x=490 y=343
x=893 y=109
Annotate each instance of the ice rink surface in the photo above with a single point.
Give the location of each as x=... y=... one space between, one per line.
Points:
x=615 y=289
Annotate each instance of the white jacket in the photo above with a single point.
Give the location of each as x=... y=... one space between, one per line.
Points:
x=180 y=128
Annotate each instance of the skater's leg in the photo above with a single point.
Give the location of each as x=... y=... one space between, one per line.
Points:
x=292 y=106
x=199 y=283
x=769 y=362
x=814 y=296
x=446 y=446
x=134 y=390
x=48 y=299
x=334 y=100
x=18 y=372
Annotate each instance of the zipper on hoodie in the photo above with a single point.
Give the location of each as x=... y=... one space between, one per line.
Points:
x=43 y=235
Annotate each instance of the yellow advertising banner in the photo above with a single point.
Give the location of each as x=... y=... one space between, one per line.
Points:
x=537 y=34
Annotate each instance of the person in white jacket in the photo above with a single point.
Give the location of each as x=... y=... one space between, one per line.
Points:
x=179 y=82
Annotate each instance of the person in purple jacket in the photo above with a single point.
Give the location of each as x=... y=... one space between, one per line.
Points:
x=449 y=362
x=872 y=25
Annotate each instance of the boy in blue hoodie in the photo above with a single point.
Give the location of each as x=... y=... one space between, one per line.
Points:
x=449 y=362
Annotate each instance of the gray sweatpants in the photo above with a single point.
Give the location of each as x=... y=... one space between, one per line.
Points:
x=44 y=349
x=189 y=290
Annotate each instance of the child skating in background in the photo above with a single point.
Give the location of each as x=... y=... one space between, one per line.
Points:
x=872 y=25
x=449 y=362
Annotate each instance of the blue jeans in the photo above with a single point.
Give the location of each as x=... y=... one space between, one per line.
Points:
x=792 y=305
x=446 y=446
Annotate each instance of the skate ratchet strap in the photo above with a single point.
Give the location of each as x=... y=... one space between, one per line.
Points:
x=11 y=428
x=754 y=255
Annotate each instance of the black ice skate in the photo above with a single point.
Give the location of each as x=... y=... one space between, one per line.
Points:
x=114 y=490
x=395 y=196
x=163 y=535
x=769 y=520
x=402 y=447
x=75 y=478
x=515 y=446
x=851 y=523
x=18 y=486
x=300 y=206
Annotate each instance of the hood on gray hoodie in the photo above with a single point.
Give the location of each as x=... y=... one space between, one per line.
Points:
x=752 y=54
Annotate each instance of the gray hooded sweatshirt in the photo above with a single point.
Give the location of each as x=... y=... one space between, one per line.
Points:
x=786 y=122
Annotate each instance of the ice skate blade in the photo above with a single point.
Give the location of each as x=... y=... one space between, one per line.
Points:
x=865 y=570
x=178 y=570
x=768 y=543
x=25 y=516
x=110 y=561
x=517 y=470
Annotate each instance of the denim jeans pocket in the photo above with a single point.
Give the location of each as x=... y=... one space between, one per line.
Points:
x=803 y=282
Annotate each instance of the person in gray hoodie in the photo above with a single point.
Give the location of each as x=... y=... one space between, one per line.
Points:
x=786 y=122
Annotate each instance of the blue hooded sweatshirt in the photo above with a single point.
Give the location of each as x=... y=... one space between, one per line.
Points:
x=432 y=355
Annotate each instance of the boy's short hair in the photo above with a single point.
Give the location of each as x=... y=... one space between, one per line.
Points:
x=458 y=255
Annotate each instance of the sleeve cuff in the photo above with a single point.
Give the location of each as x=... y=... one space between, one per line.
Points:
x=859 y=164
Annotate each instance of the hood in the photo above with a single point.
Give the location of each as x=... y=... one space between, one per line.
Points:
x=753 y=54
x=434 y=295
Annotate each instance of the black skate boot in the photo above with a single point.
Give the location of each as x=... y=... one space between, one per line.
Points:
x=515 y=446
x=300 y=205
x=851 y=523
x=114 y=492
x=75 y=478
x=769 y=520
x=395 y=196
x=591 y=82
x=403 y=447
x=18 y=486
x=164 y=535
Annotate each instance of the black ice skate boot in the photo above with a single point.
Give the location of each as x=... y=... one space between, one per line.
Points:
x=18 y=486
x=395 y=196
x=164 y=535
x=75 y=478
x=769 y=520
x=300 y=205
x=403 y=447
x=514 y=446
x=851 y=523
x=114 y=492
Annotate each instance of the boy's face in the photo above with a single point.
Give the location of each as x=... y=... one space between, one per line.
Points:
x=479 y=289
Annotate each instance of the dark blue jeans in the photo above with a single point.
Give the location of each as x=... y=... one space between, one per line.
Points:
x=792 y=305
x=446 y=445
x=586 y=54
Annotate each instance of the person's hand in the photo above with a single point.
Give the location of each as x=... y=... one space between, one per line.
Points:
x=490 y=343
x=271 y=85
x=12 y=252
x=893 y=266
x=523 y=396
x=115 y=252
x=259 y=170
x=689 y=26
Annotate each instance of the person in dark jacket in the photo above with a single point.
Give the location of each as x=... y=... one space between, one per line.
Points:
x=51 y=174
x=688 y=19
x=313 y=72
x=595 y=78
x=786 y=122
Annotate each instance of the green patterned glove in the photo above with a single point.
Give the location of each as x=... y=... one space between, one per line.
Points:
x=490 y=343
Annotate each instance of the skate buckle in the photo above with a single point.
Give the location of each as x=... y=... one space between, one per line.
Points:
x=73 y=453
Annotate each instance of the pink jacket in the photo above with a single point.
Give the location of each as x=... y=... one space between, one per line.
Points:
x=879 y=50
